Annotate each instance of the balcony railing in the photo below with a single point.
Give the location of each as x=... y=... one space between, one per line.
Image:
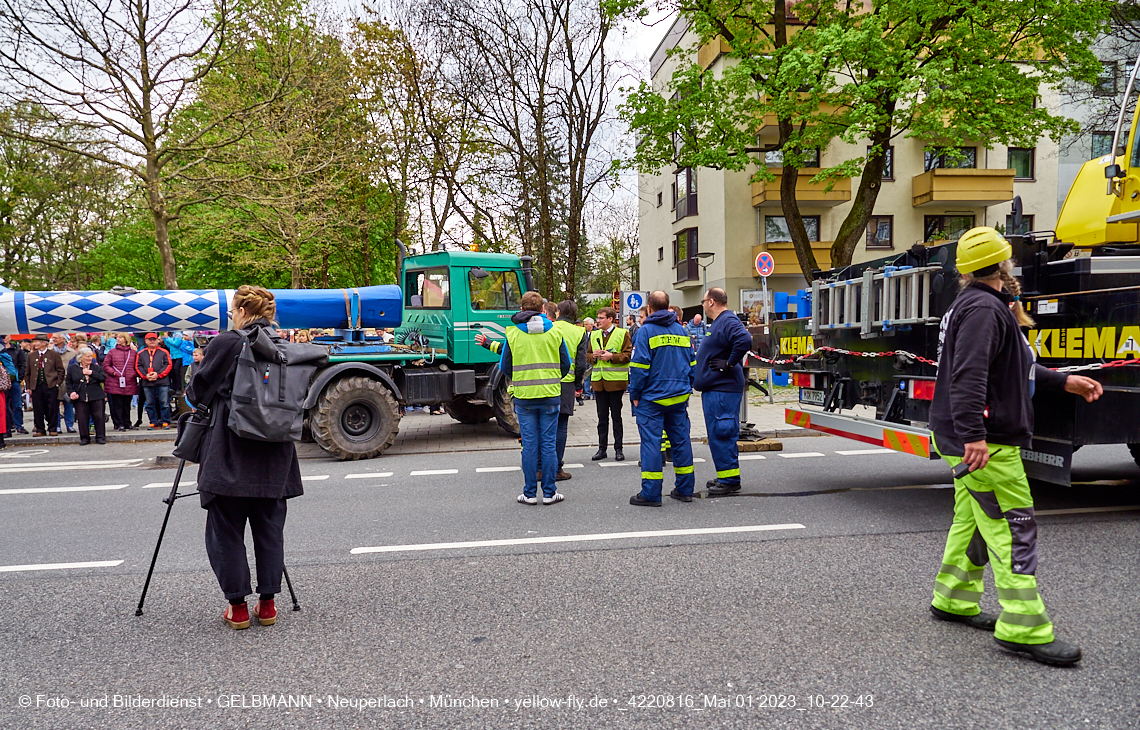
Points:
x=965 y=186
x=686 y=206
x=784 y=254
x=688 y=270
x=807 y=192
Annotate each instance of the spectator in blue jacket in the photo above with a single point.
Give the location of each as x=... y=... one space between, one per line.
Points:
x=697 y=330
x=660 y=382
x=720 y=378
x=181 y=347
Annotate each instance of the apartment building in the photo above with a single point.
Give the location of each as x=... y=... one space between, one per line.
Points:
x=703 y=227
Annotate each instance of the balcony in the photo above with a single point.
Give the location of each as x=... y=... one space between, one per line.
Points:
x=711 y=51
x=688 y=274
x=969 y=186
x=807 y=192
x=784 y=254
x=768 y=131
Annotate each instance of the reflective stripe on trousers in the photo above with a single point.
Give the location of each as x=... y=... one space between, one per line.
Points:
x=722 y=424
x=994 y=522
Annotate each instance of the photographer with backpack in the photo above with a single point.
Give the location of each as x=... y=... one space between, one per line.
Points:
x=242 y=479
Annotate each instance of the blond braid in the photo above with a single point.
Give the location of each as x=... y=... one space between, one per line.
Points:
x=1013 y=286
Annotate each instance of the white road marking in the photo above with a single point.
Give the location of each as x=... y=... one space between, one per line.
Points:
x=860 y=452
x=381 y=474
x=1087 y=510
x=433 y=472
x=802 y=455
x=168 y=485
x=573 y=466
x=60 y=566
x=698 y=461
x=315 y=478
x=69 y=466
x=491 y=469
x=44 y=490
x=26 y=454
x=575 y=538
x=617 y=463
x=751 y=457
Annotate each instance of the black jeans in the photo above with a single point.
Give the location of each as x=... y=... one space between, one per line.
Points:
x=175 y=377
x=609 y=403
x=85 y=412
x=225 y=543
x=120 y=410
x=45 y=403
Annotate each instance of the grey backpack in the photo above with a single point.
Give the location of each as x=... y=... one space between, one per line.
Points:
x=271 y=381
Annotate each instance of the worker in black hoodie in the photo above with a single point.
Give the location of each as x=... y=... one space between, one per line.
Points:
x=982 y=416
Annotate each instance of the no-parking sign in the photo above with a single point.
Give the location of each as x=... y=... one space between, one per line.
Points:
x=765 y=264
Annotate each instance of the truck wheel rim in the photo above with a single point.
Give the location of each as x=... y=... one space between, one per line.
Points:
x=359 y=421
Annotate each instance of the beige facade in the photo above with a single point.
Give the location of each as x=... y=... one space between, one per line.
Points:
x=735 y=218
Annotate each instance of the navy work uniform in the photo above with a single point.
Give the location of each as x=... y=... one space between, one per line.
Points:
x=720 y=378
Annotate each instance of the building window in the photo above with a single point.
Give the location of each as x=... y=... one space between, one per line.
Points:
x=1026 y=225
x=946 y=227
x=659 y=201
x=881 y=231
x=685 y=245
x=661 y=253
x=673 y=193
x=1102 y=144
x=888 y=163
x=1020 y=160
x=1106 y=82
x=685 y=187
x=952 y=158
x=775 y=158
x=776 y=228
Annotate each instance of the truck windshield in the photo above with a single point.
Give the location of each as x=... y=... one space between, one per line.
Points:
x=498 y=290
x=428 y=289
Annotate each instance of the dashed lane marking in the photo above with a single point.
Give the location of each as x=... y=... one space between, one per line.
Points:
x=315 y=478
x=617 y=463
x=45 y=490
x=60 y=566
x=492 y=469
x=860 y=452
x=751 y=457
x=69 y=466
x=573 y=466
x=433 y=472
x=575 y=538
x=379 y=474
x=168 y=485
x=802 y=455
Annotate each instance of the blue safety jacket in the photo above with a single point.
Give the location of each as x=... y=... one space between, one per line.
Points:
x=661 y=369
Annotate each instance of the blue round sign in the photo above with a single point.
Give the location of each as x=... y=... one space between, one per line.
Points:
x=765 y=264
x=634 y=301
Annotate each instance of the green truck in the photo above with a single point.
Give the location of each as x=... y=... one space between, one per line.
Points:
x=444 y=299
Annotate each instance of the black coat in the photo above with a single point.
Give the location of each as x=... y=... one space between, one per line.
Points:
x=89 y=387
x=231 y=465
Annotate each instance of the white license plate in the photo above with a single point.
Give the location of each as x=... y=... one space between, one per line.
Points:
x=815 y=397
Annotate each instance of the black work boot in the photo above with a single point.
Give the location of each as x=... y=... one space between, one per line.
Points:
x=602 y=454
x=1057 y=653
x=638 y=501
x=983 y=621
x=718 y=488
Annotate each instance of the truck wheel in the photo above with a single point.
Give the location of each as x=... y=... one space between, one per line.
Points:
x=355 y=418
x=465 y=411
x=505 y=410
x=1135 y=449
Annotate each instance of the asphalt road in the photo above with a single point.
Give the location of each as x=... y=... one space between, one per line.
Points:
x=439 y=591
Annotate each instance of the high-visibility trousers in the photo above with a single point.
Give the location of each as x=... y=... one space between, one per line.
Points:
x=722 y=424
x=994 y=522
x=652 y=418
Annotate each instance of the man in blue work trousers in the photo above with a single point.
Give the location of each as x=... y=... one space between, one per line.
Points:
x=720 y=378
x=660 y=382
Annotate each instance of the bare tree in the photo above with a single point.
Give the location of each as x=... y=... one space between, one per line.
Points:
x=120 y=70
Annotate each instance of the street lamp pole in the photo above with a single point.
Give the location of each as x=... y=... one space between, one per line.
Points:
x=705 y=267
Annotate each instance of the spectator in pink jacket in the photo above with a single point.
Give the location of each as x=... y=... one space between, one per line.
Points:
x=122 y=380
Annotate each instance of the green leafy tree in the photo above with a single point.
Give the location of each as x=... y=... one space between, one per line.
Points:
x=944 y=71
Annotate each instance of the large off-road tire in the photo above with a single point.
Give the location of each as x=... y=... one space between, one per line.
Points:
x=1135 y=449
x=355 y=418
x=505 y=410
x=465 y=411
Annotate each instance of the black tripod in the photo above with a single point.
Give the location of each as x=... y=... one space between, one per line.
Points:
x=170 y=499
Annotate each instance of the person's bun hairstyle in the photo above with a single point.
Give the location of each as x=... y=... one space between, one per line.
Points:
x=257 y=301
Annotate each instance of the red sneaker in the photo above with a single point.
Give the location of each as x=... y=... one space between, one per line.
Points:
x=266 y=612
x=237 y=616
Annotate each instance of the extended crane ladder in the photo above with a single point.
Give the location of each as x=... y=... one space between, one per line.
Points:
x=875 y=303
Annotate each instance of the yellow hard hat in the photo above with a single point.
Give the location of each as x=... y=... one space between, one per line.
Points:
x=981 y=247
